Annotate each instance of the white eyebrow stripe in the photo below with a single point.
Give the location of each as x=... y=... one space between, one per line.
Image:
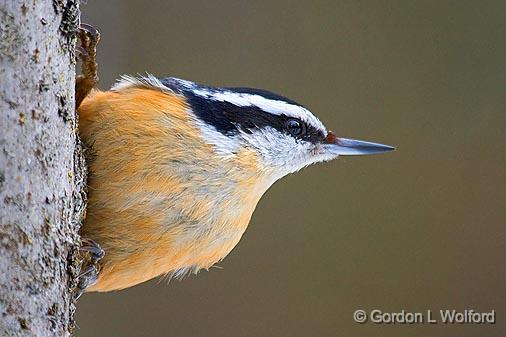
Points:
x=275 y=107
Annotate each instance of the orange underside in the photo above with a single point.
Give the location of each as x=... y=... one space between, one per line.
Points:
x=153 y=181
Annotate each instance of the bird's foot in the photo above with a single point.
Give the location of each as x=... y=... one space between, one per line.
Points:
x=87 y=51
x=90 y=253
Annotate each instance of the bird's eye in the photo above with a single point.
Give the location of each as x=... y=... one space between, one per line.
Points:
x=295 y=127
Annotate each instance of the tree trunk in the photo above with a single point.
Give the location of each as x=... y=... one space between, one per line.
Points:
x=42 y=174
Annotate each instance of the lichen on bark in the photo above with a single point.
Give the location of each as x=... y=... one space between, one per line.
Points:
x=42 y=171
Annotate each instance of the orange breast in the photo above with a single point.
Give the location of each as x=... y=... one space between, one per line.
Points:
x=160 y=199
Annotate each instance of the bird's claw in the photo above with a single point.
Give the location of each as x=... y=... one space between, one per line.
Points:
x=87 y=51
x=91 y=253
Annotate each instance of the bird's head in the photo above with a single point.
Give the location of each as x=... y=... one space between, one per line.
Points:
x=284 y=134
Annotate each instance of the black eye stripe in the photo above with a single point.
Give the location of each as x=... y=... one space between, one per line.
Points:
x=230 y=119
x=313 y=135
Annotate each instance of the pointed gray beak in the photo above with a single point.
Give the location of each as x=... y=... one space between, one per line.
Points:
x=352 y=147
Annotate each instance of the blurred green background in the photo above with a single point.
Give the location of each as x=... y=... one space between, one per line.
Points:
x=422 y=228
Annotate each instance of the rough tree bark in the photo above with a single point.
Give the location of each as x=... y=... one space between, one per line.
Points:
x=42 y=175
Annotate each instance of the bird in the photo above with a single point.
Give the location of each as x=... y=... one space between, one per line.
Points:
x=176 y=168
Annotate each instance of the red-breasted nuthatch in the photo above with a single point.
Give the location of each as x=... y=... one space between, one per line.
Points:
x=176 y=168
